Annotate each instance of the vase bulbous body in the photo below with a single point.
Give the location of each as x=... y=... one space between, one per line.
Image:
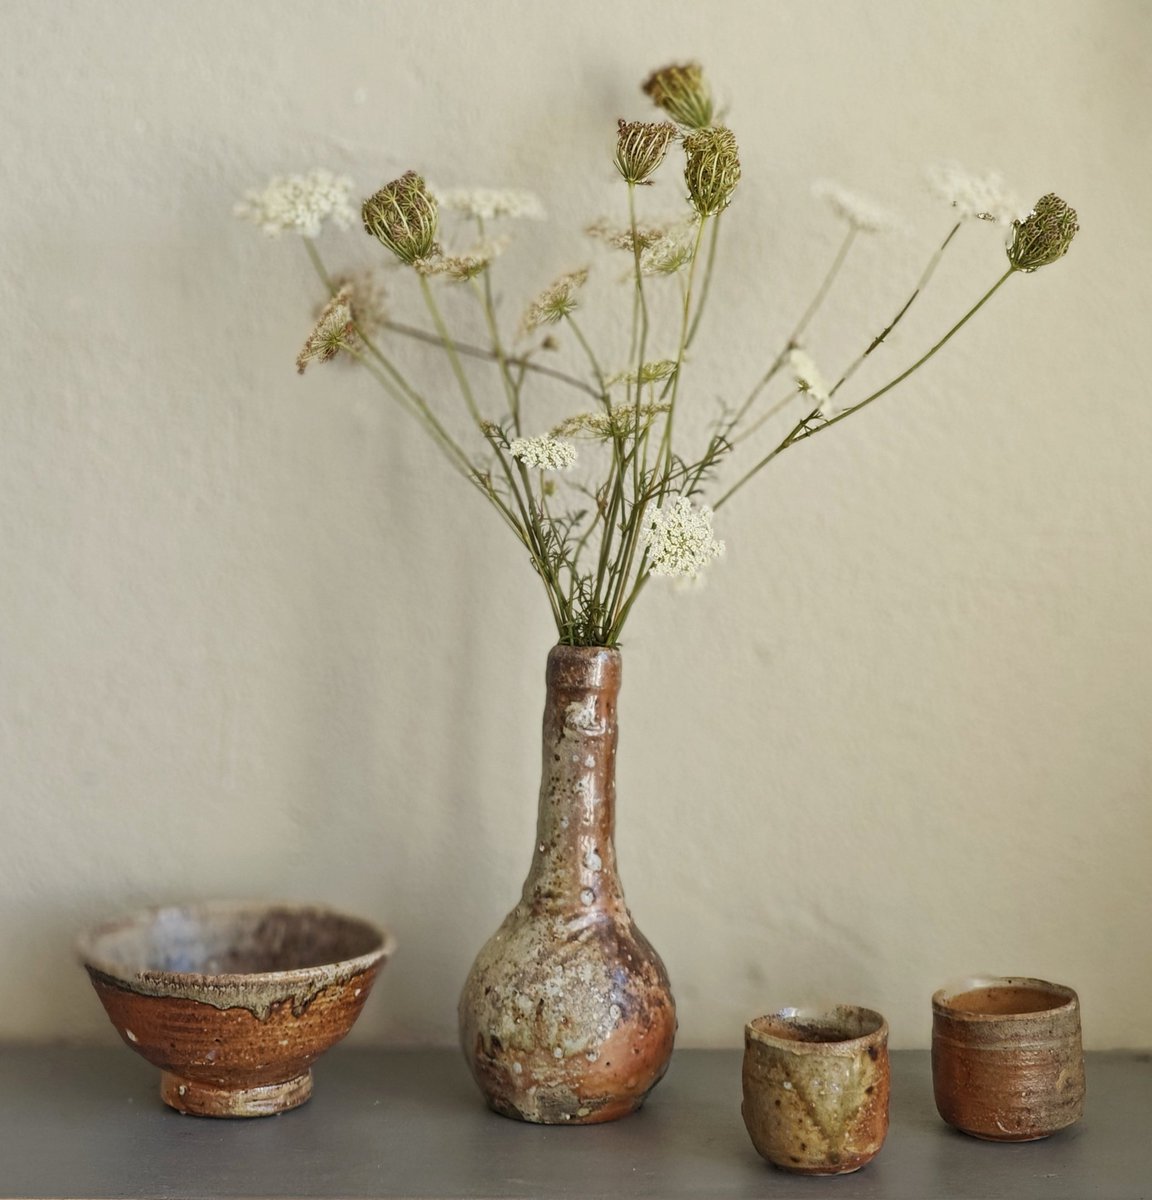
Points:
x=567 y=1016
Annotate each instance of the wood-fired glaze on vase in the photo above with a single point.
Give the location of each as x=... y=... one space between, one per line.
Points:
x=567 y=1016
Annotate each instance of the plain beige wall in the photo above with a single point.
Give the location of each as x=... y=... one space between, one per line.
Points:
x=255 y=642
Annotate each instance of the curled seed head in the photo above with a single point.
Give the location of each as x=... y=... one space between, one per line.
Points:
x=1044 y=235
x=682 y=92
x=641 y=146
x=402 y=215
x=711 y=169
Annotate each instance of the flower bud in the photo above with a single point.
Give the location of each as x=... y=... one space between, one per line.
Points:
x=402 y=215
x=641 y=146
x=1044 y=235
x=683 y=94
x=712 y=169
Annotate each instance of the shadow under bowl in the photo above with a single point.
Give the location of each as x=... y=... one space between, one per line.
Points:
x=234 y=1001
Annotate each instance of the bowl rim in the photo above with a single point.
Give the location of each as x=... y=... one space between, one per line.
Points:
x=87 y=946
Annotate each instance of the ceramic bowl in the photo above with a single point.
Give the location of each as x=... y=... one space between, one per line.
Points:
x=234 y=1001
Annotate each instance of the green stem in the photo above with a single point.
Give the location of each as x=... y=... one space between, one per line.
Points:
x=511 y=392
x=665 y=452
x=921 y=284
x=314 y=255
x=470 y=351
x=804 y=430
x=800 y=326
x=706 y=283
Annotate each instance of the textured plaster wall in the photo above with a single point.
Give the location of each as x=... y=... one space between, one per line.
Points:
x=254 y=641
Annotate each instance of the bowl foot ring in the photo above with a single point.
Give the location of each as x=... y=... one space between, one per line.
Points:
x=212 y=1100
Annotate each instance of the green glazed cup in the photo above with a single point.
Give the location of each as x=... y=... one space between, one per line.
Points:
x=816 y=1088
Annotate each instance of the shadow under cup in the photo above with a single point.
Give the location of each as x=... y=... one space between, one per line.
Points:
x=1007 y=1061
x=816 y=1088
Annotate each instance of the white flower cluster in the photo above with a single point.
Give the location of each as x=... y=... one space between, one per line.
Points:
x=860 y=212
x=299 y=204
x=488 y=203
x=810 y=380
x=547 y=453
x=982 y=197
x=679 y=539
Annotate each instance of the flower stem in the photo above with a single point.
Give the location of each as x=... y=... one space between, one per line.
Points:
x=799 y=328
x=804 y=429
x=921 y=284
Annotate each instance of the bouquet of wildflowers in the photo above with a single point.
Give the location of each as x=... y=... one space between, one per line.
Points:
x=610 y=495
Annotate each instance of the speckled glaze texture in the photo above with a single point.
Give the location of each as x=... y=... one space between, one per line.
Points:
x=816 y=1088
x=1007 y=1061
x=234 y=1002
x=567 y=1016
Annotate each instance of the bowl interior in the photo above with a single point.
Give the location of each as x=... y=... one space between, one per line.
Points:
x=231 y=939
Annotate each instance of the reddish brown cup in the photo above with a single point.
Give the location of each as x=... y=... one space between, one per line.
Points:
x=1007 y=1062
x=234 y=1001
x=815 y=1087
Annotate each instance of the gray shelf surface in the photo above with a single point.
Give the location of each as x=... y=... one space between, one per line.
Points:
x=87 y=1124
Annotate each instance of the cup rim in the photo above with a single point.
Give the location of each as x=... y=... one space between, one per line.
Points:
x=1065 y=997
x=754 y=1030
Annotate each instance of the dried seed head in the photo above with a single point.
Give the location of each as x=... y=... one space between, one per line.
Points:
x=712 y=169
x=1044 y=235
x=555 y=302
x=641 y=146
x=683 y=93
x=624 y=420
x=402 y=215
x=333 y=332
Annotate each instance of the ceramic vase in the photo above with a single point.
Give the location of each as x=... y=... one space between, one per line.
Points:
x=567 y=1016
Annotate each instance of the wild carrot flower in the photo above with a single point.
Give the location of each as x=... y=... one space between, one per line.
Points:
x=402 y=216
x=679 y=539
x=641 y=146
x=682 y=92
x=333 y=332
x=299 y=204
x=460 y=267
x=711 y=169
x=1044 y=235
x=555 y=302
x=649 y=372
x=489 y=203
x=672 y=250
x=547 y=453
x=809 y=378
x=624 y=419
x=980 y=197
x=858 y=211
x=366 y=298
x=620 y=238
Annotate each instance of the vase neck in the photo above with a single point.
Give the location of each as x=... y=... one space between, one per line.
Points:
x=575 y=856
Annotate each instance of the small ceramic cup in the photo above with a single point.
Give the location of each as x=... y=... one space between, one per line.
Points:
x=1007 y=1063
x=816 y=1088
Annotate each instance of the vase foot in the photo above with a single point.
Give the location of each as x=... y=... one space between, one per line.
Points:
x=211 y=1100
x=583 y=1115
